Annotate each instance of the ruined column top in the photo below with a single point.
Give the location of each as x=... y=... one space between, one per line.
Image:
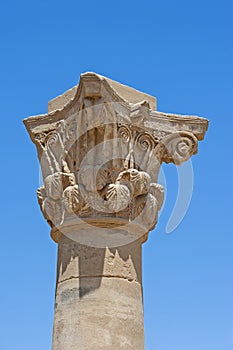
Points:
x=123 y=92
x=95 y=87
x=100 y=147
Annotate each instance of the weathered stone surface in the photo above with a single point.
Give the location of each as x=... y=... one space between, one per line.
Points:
x=98 y=297
x=100 y=148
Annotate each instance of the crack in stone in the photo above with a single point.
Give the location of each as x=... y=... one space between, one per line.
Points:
x=98 y=276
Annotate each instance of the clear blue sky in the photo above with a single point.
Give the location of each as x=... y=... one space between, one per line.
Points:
x=181 y=52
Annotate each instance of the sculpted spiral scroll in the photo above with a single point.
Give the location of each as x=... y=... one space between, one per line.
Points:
x=52 y=138
x=145 y=141
x=183 y=147
x=125 y=133
x=178 y=147
x=40 y=137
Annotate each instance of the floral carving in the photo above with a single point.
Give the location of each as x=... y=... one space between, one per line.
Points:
x=101 y=152
x=72 y=200
x=95 y=190
x=134 y=189
x=124 y=189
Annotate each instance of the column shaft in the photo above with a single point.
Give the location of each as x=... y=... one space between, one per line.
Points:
x=98 y=297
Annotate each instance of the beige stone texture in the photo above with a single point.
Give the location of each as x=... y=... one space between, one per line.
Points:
x=126 y=93
x=60 y=101
x=98 y=297
x=101 y=146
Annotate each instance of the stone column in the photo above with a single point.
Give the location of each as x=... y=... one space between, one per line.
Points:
x=100 y=147
x=98 y=297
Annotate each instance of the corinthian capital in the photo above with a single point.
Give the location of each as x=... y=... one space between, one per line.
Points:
x=100 y=147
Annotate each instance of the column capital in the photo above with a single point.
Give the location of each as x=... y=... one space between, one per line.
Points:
x=100 y=147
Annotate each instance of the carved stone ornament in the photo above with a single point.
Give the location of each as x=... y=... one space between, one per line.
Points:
x=100 y=148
